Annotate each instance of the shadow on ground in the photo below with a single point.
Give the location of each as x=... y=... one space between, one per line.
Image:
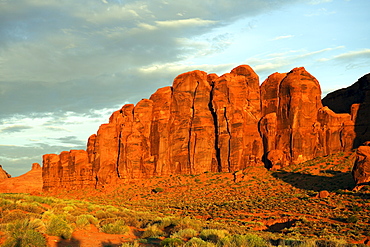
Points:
x=330 y=180
x=68 y=243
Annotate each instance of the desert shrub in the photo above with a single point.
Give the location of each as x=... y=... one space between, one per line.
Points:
x=14 y=215
x=307 y=243
x=248 y=240
x=330 y=243
x=93 y=207
x=69 y=208
x=58 y=226
x=171 y=242
x=185 y=233
x=111 y=209
x=117 y=227
x=45 y=200
x=158 y=190
x=33 y=207
x=100 y=214
x=145 y=219
x=152 y=231
x=213 y=235
x=131 y=244
x=187 y=222
x=352 y=219
x=197 y=242
x=7 y=204
x=131 y=220
x=84 y=221
x=22 y=233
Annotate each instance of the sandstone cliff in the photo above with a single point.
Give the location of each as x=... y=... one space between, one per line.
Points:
x=208 y=123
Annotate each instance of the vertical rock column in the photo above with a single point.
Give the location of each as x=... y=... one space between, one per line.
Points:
x=191 y=125
x=160 y=130
x=236 y=103
x=299 y=101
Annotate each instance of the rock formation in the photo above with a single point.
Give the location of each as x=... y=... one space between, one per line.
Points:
x=354 y=100
x=361 y=169
x=3 y=174
x=295 y=126
x=208 y=123
x=30 y=182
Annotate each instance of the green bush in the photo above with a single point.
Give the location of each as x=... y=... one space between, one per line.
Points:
x=197 y=242
x=152 y=231
x=57 y=226
x=22 y=233
x=32 y=207
x=185 y=233
x=84 y=221
x=171 y=242
x=213 y=235
x=117 y=227
x=248 y=240
x=14 y=215
x=352 y=219
x=7 y=204
x=100 y=214
x=187 y=222
x=129 y=244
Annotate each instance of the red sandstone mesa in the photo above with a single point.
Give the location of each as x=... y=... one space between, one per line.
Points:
x=209 y=123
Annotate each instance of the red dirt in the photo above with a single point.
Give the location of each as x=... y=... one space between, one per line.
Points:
x=92 y=238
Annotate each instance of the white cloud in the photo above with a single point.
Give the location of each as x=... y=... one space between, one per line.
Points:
x=315 y=2
x=351 y=55
x=321 y=11
x=184 y=23
x=283 y=37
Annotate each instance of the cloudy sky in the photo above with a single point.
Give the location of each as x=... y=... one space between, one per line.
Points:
x=66 y=65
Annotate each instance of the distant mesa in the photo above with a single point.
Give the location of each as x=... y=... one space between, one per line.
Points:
x=210 y=123
x=30 y=182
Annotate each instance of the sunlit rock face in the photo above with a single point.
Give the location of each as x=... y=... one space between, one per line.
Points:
x=30 y=182
x=295 y=126
x=205 y=122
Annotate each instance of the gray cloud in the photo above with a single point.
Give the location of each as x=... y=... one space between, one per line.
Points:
x=72 y=140
x=82 y=55
x=15 y=128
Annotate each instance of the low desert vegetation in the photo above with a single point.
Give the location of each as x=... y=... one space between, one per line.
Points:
x=265 y=208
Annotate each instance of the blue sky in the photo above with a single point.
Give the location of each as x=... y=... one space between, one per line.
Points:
x=65 y=66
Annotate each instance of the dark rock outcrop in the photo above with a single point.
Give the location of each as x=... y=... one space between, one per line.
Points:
x=208 y=123
x=354 y=100
x=3 y=174
x=361 y=169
